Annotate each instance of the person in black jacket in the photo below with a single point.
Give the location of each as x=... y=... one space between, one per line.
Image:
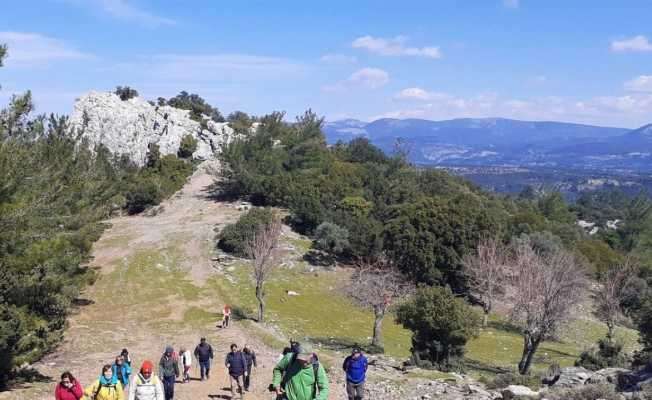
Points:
x=250 y=361
x=237 y=365
x=204 y=354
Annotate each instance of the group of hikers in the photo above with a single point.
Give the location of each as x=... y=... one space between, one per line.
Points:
x=298 y=375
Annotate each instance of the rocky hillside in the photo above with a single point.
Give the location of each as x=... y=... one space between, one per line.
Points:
x=128 y=127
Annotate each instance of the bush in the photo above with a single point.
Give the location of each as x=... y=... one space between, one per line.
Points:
x=503 y=380
x=608 y=354
x=125 y=93
x=198 y=107
x=234 y=238
x=331 y=238
x=441 y=324
x=584 y=392
x=187 y=147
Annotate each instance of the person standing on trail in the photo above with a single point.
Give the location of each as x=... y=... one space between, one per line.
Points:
x=121 y=370
x=107 y=387
x=226 y=316
x=146 y=385
x=125 y=357
x=250 y=361
x=355 y=367
x=68 y=388
x=300 y=376
x=186 y=363
x=236 y=364
x=204 y=355
x=168 y=371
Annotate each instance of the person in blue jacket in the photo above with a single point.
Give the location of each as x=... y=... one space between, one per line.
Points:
x=121 y=370
x=355 y=367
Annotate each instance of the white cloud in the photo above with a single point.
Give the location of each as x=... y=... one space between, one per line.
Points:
x=634 y=44
x=367 y=78
x=125 y=11
x=642 y=83
x=338 y=59
x=394 y=47
x=416 y=93
x=511 y=3
x=36 y=50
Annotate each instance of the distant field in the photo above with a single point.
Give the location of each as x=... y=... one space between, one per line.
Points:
x=324 y=315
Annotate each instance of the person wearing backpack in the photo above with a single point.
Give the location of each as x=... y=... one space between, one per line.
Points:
x=146 y=385
x=237 y=365
x=355 y=367
x=68 y=388
x=106 y=387
x=121 y=370
x=300 y=376
x=126 y=357
x=168 y=371
x=186 y=363
x=250 y=360
x=204 y=355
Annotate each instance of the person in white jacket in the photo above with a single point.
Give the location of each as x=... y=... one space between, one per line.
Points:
x=145 y=385
x=186 y=362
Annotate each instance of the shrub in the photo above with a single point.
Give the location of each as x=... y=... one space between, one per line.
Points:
x=331 y=238
x=125 y=93
x=234 y=237
x=503 y=380
x=187 y=147
x=141 y=195
x=584 y=392
x=441 y=324
x=608 y=354
x=196 y=105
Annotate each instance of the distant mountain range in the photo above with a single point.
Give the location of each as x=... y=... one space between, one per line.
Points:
x=506 y=142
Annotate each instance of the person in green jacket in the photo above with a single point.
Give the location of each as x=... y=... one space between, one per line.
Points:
x=299 y=376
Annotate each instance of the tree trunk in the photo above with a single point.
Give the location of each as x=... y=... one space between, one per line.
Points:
x=378 y=322
x=530 y=346
x=485 y=319
x=260 y=295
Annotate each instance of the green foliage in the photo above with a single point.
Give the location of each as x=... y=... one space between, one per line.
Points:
x=240 y=122
x=441 y=324
x=609 y=354
x=187 y=147
x=600 y=255
x=501 y=381
x=584 y=392
x=644 y=323
x=126 y=93
x=234 y=238
x=198 y=107
x=331 y=238
x=3 y=53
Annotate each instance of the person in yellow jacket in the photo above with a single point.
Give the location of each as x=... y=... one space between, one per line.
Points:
x=107 y=387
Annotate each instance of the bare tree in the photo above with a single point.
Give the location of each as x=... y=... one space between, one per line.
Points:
x=544 y=288
x=485 y=270
x=615 y=287
x=262 y=248
x=375 y=285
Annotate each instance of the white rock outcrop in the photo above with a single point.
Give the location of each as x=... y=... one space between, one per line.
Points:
x=128 y=127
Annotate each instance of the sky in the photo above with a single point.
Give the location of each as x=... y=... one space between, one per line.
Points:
x=577 y=61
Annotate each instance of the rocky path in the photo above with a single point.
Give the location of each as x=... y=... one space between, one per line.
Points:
x=153 y=290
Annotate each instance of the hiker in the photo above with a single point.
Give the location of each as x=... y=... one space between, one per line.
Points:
x=125 y=356
x=285 y=351
x=121 y=370
x=146 y=385
x=204 y=355
x=186 y=363
x=68 y=388
x=250 y=361
x=226 y=316
x=107 y=387
x=355 y=367
x=168 y=371
x=237 y=366
x=299 y=376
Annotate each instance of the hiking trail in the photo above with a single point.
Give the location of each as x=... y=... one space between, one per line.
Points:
x=153 y=289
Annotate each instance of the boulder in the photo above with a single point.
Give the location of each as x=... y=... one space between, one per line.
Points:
x=572 y=376
x=607 y=375
x=128 y=127
x=517 y=391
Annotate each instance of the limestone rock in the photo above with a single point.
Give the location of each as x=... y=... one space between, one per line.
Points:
x=128 y=127
x=571 y=376
x=517 y=391
x=607 y=375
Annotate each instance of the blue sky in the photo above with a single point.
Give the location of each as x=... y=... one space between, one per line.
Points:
x=579 y=61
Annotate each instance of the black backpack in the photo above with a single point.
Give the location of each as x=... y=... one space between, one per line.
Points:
x=315 y=369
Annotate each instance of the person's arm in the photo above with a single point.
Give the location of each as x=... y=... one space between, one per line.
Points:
x=119 y=391
x=366 y=364
x=210 y=351
x=176 y=368
x=77 y=390
x=57 y=392
x=197 y=352
x=345 y=364
x=90 y=391
x=160 y=394
x=322 y=383
x=132 y=389
x=253 y=357
x=161 y=366
x=278 y=371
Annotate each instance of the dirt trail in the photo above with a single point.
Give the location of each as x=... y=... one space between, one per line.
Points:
x=122 y=312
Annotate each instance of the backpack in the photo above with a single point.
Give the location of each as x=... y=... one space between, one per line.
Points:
x=315 y=369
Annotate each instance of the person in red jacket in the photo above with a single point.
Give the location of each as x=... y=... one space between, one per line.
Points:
x=68 y=388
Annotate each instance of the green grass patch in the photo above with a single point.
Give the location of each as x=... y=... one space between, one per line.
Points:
x=197 y=317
